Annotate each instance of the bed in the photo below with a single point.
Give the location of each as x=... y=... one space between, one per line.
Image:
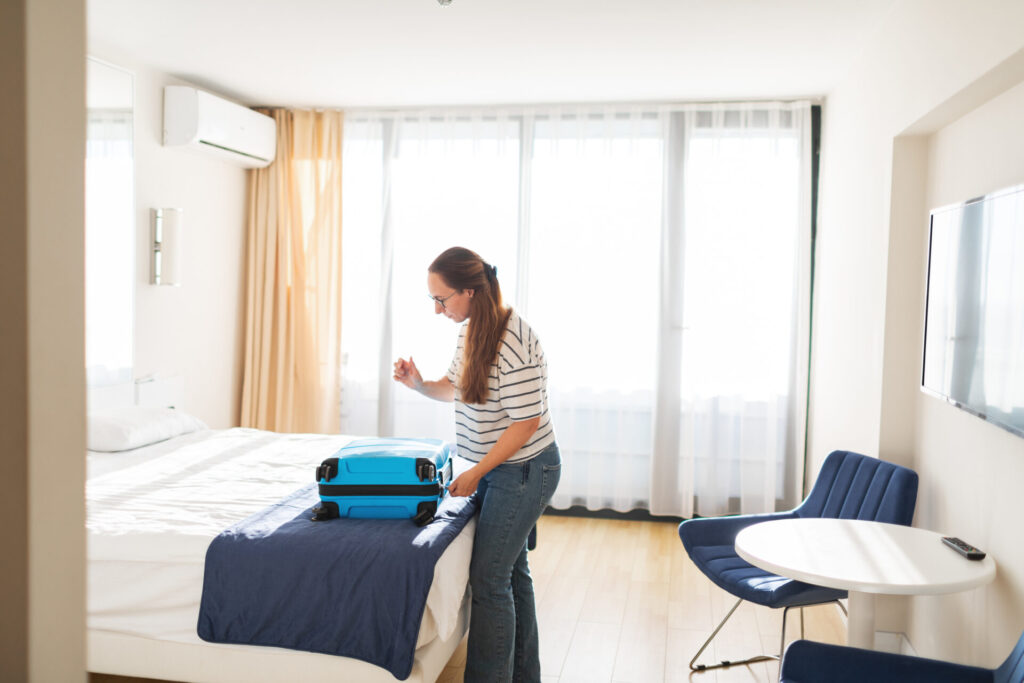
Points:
x=153 y=510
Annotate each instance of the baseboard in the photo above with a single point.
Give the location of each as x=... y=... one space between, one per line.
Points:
x=890 y=641
x=635 y=515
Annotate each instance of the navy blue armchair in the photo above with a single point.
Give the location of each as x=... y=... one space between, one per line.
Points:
x=807 y=662
x=849 y=486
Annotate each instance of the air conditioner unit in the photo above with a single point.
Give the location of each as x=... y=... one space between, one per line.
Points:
x=205 y=122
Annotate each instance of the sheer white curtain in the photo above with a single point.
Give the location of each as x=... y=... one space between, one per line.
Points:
x=595 y=221
x=659 y=252
x=419 y=183
x=735 y=334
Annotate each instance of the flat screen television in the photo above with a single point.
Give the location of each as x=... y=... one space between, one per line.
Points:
x=974 y=311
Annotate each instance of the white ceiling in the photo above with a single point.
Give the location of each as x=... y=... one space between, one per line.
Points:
x=344 y=53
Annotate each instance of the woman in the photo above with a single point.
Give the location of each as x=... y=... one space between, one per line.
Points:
x=498 y=381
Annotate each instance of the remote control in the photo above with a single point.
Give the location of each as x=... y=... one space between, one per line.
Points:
x=965 y=549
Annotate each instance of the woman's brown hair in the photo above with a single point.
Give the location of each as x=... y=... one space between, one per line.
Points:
x=462 y=269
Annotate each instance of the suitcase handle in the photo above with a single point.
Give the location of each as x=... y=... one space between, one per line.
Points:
x=446 y=474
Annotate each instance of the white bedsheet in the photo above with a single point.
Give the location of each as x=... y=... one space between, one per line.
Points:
x=152 y=512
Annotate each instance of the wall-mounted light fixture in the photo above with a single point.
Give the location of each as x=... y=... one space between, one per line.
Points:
x=165 y=263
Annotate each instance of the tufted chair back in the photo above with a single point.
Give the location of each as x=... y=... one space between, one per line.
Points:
x=854 y=486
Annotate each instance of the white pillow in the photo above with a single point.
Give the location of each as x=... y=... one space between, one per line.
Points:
x=133 y=427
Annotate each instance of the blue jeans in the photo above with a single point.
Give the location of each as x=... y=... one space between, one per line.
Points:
x=503 y=641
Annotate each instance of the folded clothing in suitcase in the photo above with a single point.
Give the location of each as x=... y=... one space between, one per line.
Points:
x=382 y=478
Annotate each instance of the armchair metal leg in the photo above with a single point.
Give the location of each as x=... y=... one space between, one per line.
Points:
x=725 y=663
x=758 y=658
x=782 y=640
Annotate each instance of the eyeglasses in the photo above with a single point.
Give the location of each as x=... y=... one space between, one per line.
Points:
x=442 y=300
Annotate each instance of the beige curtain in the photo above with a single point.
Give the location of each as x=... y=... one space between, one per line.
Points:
x=292 y=376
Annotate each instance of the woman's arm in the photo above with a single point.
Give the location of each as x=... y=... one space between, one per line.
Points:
x=508 y=444
x=408 y=374
x=439 y=390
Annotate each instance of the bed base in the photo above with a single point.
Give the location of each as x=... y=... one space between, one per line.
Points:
x=200 y=662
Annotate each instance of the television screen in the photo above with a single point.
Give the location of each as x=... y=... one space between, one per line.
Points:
x=974 y=312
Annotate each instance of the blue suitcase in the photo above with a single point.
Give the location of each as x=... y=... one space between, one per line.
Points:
x=385 y=479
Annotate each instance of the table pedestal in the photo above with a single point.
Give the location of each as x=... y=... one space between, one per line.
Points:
x=860 y=623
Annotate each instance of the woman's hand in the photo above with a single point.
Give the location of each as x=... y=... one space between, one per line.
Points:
x=465 y=484
x=407 y=373
x=508 y=444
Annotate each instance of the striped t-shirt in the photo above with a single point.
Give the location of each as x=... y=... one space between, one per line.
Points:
x=517 y=389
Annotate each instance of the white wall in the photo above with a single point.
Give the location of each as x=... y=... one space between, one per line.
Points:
x=194 y=330
x=934 y=61
x=929 y=51
x=973 y=469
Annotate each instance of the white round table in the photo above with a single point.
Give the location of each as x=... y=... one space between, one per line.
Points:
x=862 y=557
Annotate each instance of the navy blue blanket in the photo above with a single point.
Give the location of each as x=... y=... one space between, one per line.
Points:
x=350 y=587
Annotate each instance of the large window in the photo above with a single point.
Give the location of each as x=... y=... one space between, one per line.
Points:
x=658 y=252
x=109 y=226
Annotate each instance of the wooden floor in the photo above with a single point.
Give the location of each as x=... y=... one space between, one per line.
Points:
x=621 y=601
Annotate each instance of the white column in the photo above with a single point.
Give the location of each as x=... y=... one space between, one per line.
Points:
x=861 y=622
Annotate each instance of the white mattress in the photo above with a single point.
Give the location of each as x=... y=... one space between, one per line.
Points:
x=152 y=512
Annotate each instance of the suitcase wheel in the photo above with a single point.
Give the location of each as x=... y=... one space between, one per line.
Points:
x=324 y=511
x=425 y=513
x=425 y=469
x=327 y=470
